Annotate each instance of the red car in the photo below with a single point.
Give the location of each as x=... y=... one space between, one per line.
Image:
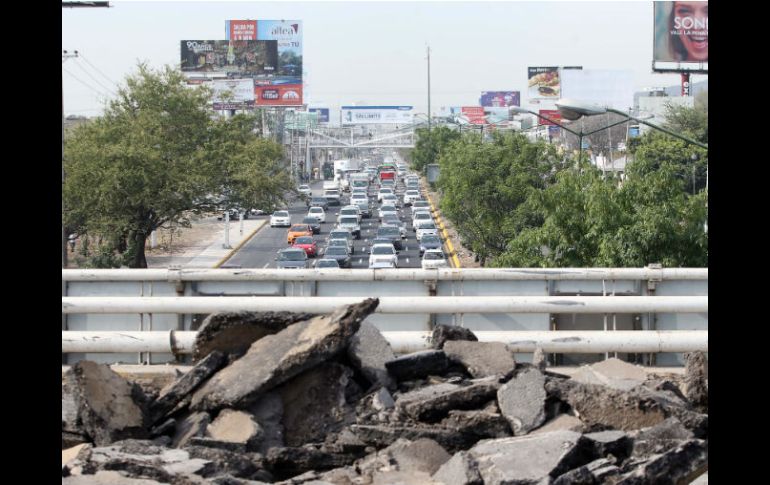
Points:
x=306 y=243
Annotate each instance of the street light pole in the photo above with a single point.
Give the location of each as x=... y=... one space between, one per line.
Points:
x=429 y=113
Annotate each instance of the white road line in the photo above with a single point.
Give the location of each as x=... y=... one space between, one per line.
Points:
x=266 y=265
x=360 y=260
x=407 y=260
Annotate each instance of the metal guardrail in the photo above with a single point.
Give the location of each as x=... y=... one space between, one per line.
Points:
x=153 y=310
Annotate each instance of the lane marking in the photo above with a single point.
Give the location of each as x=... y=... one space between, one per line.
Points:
x=266 y=265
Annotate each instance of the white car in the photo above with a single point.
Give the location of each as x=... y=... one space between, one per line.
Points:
x=305 y=190
x=410 y=196
x=387 y=209
x=280 y=219
x=434 y=258
x=420 y=216
x=426 y=227
x=318 y=213
x=383 y=191
x=350 y=210
x=390 y=199
x=383 y=256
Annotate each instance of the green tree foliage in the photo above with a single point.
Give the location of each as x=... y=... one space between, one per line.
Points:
x=156 y=157
x=692 y=122
x=430 y=145
x=485 y=187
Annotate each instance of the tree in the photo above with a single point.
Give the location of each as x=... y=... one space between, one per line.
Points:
x=430 y=145
x=485 y=186
x=156 y=157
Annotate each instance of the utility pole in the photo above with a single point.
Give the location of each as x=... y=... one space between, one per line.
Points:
x=429 y=113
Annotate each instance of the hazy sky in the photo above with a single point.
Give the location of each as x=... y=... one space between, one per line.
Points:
x=374 y=52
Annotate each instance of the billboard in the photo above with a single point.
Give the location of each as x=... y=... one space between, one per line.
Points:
x=497 y=115
x=543 y=83
x=323 y=114
x=608 y=88
x=277 y=94
x=288 y=35
x=681 y=32
x=551 y=114
x=498 y=99
x=475 y=114
x=372 y=115
x=236 y=58
x=233 y=93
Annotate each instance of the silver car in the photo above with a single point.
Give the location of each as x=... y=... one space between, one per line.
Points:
x=292 y=258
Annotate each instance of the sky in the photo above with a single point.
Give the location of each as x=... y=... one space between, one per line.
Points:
x=373 y=52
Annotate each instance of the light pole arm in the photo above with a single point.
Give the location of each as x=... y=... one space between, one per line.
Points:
x=555 y=123
x=652 y=125
x=605 y=127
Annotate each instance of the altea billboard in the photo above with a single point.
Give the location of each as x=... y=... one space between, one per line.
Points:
x=236 y=58
x=285 y=88
x=681 y=32
x=376 y=115
x=500 y=99
x=609 y=88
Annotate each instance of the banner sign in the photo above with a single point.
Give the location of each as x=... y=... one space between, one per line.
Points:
x=544 y=83
x=553 y=131
x=241 y=30
x=372 y=115
x=233 y=93
x=475 y=114
x=323 y=114
x=278 y=94
x=551 y=114
x=681 y=32
x=236 y=58
x=603 y=87
x=498 y=99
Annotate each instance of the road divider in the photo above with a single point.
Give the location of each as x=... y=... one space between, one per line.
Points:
x=450 y=248
x=240 y=245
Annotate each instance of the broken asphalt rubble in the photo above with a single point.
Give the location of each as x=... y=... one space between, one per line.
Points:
x=303 y=399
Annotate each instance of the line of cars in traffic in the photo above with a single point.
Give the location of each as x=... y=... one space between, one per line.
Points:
x=390 y=235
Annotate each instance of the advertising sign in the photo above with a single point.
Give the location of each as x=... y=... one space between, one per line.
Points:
x=323 y=114
x=373 y=115
x=497 y=115
x=498 y=99
x=551 y=114
x=681 y=32
x=544 y=83
x=233 y=93
x=288 y=35
x=475 y=114
x=553 y=131
x=608 y=88
x=241 y=30
x=278 y=94
x=236 y=58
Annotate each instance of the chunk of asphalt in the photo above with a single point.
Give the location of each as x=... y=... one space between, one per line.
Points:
x=106 y=405
x=274 y=359
x=268 y=411
x=368 y=352
x=696 y=374
x=481 y=359
x=611 y=442
x=314 y=404
x=234 y=332
x=531 y=458
x=681 y=465
x=173 y=394
x=237 y=427
x=461 y=469
x=433 y=403
x=561 y=422
x=443 y=333
x=418 y=365
x=522 y=400
x=193 y=424
x=613 y=373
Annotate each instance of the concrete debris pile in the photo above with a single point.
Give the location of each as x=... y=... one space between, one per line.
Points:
x=303 y=399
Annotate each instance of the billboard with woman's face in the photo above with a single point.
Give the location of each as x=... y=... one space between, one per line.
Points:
x=681 y=32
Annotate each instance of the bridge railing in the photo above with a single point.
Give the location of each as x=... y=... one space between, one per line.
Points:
x=108 y=315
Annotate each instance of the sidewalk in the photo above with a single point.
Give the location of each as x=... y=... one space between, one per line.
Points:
x=207 y=249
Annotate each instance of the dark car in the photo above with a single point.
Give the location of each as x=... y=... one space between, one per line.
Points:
x=430 y=241
x=318 y=202
x=340 y=254
x=393 y=233
x=313 y=223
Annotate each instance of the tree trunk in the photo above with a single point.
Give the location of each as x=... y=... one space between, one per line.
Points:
x=136 y=248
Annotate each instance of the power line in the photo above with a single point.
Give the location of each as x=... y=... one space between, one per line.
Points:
x=95 y=80
x=100 y=93
x=99 y=71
